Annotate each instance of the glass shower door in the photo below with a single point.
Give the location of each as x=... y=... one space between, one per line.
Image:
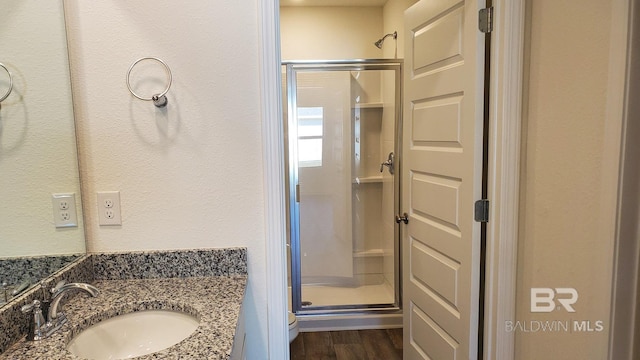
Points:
x=342 y=121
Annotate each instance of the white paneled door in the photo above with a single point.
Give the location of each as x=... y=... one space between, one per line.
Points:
x=442 y=178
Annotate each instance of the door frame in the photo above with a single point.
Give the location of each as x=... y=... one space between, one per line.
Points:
x=504 y=154
x=620 y=156
x=505 y=120
x=292 y=69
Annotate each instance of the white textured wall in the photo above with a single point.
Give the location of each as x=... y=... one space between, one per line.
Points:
x=393 y=18
x=320 y=33
x=37 y=137
x=561 y=242
x=190 y=175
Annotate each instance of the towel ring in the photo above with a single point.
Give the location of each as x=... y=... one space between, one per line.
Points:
x=159 y=100
x=6 y=95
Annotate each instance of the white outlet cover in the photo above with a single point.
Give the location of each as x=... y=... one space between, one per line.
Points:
x=64 y=210
x=109 y=208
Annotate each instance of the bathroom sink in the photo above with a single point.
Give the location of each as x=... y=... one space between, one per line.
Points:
x=134 y=334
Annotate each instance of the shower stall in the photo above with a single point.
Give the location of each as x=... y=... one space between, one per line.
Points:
x=342 y=121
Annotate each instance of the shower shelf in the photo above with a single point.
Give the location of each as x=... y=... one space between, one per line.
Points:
x=373 y=105
x=368 y=253
x=368 y=179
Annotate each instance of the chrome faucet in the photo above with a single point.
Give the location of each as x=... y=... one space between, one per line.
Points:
x=39 y=324
x=55 y=318
x=59 y=293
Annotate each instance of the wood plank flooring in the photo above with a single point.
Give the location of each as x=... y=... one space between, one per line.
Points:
x=348 y=345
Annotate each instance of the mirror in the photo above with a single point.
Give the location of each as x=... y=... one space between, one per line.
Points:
x=38 y=154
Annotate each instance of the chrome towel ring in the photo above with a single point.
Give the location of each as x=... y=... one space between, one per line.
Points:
x=6 y=95
x=159 y=100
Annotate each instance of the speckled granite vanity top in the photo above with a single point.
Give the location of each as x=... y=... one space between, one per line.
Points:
x=215 y=300
x=206 y=283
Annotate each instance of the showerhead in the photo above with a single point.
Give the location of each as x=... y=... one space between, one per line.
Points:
x=378 y=43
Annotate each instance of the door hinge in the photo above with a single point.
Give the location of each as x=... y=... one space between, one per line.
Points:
x=402 y=218
x=485 y=20
x=297 y=193
x=482 y=210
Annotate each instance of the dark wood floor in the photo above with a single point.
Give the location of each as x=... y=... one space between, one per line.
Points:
x=348 y=345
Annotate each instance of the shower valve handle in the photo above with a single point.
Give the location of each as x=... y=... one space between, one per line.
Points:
x=388 y=163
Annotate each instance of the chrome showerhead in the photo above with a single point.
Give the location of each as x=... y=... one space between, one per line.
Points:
x=378 y=43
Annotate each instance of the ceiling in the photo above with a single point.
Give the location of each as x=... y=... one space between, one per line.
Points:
x=332 y=2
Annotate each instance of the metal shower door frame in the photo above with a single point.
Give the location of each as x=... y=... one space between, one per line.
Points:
x=292 y=68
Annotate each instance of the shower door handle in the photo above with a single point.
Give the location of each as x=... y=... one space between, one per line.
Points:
x=388 y=163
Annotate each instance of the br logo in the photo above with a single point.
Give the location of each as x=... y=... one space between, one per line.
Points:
x=543 y=300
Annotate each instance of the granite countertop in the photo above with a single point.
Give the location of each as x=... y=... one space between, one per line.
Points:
x=215 y=300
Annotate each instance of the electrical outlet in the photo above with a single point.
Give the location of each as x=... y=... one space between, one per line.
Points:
x=109 y=208
x=64 y=210
x=63 y=204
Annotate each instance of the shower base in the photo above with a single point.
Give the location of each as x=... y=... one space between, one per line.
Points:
x=351 y=319
x=320 y=295
x=341 y=322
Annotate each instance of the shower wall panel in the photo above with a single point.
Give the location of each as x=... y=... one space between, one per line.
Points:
x=325 y=196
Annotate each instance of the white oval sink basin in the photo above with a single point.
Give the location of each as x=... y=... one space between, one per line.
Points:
x=134 y=334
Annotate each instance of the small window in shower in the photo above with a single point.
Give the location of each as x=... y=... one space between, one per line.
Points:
x=310 y=125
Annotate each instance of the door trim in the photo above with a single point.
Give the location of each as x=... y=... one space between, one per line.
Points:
x=277 y=335
x=506 y=83
x=506 y=80
x=622 y=178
